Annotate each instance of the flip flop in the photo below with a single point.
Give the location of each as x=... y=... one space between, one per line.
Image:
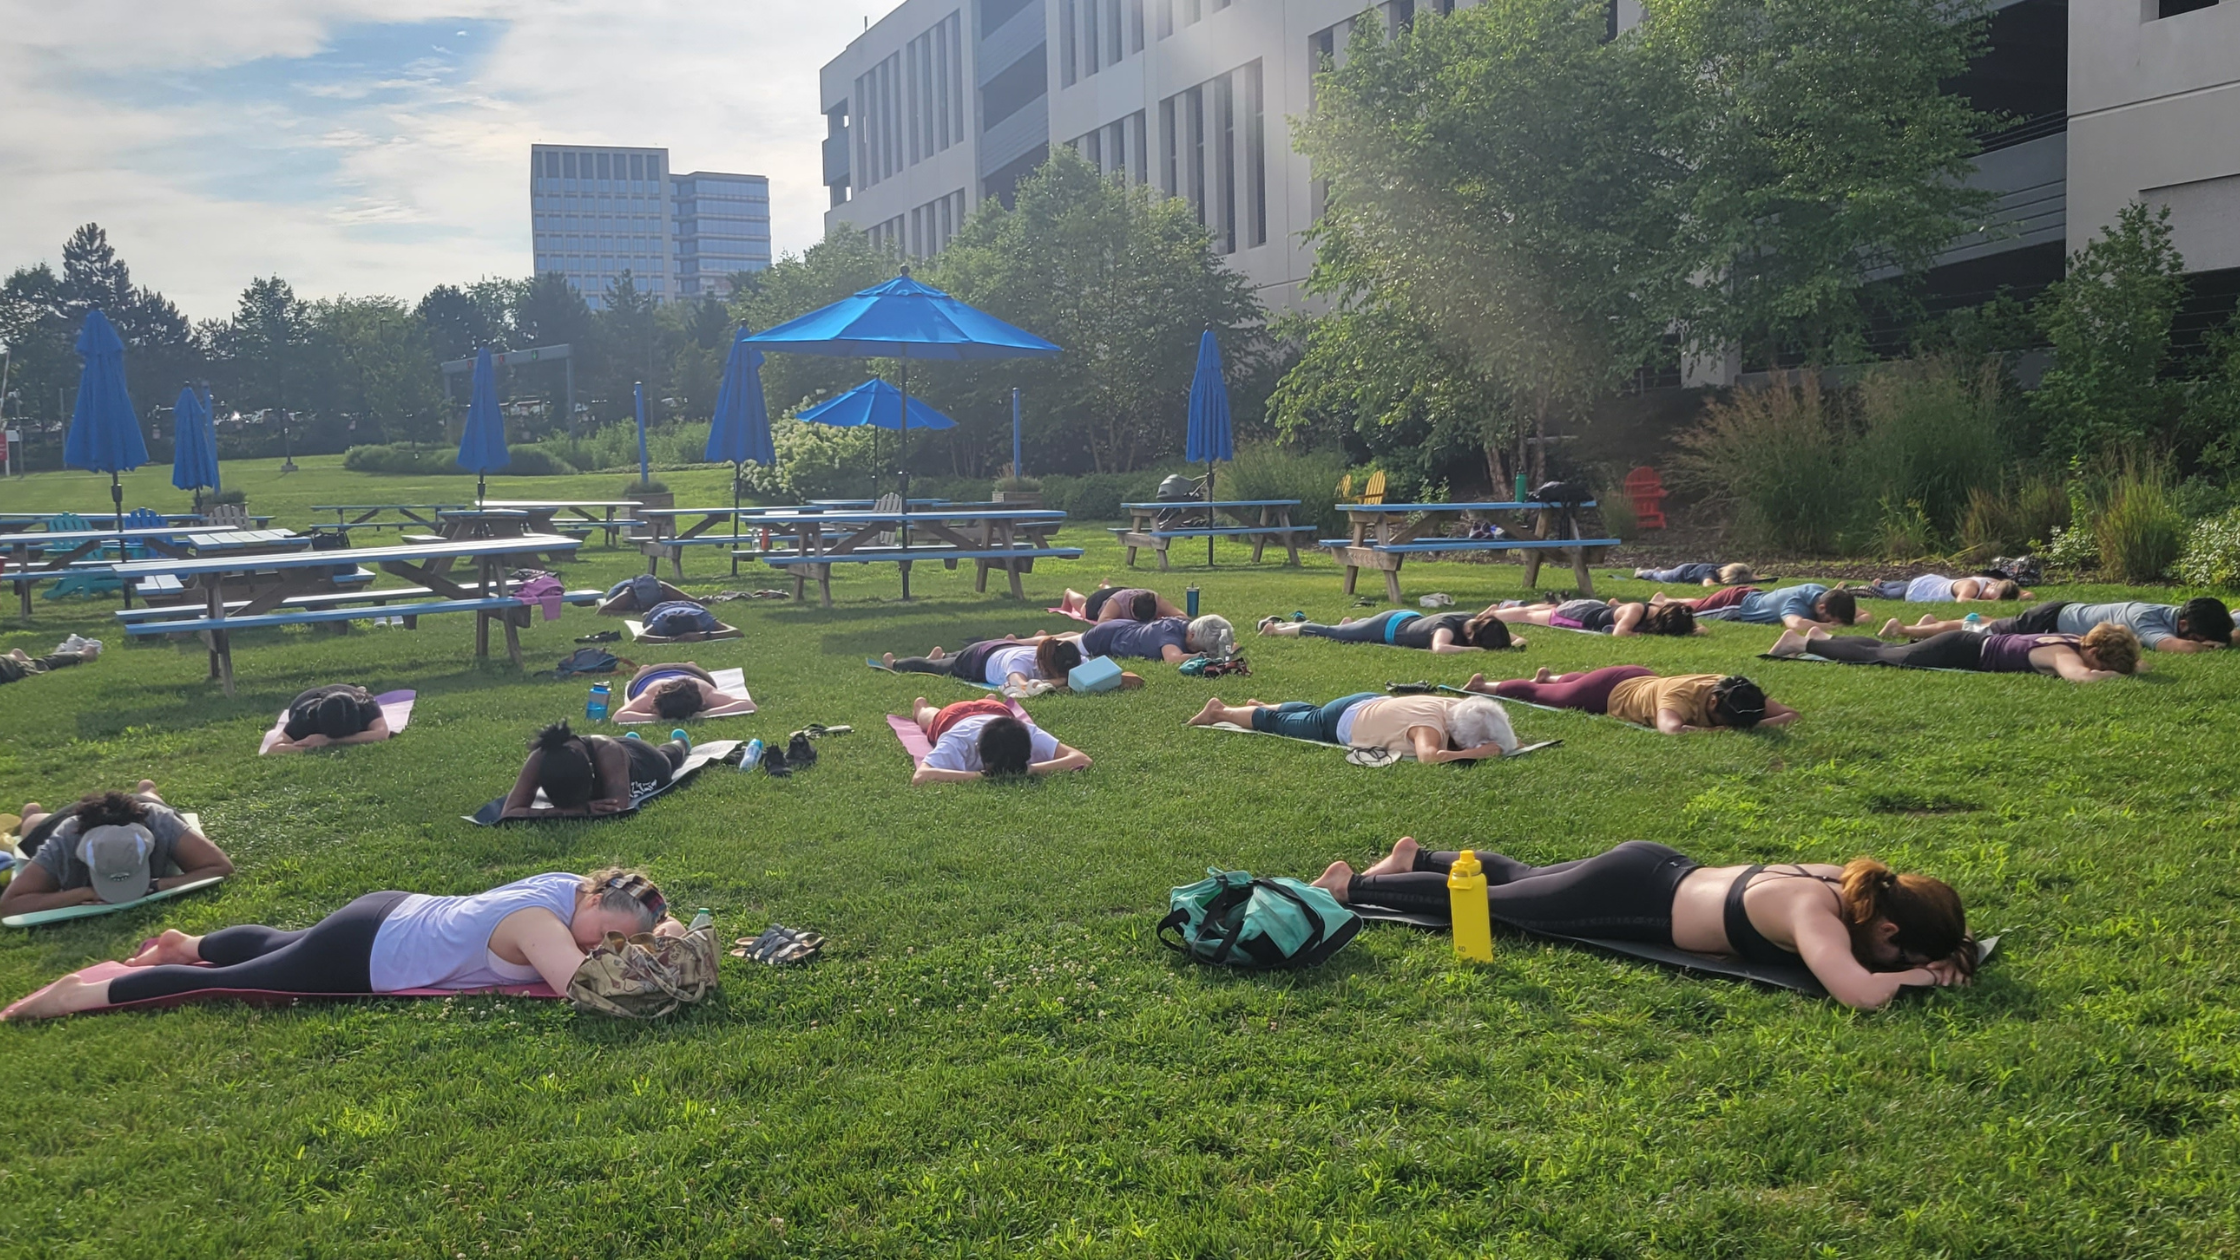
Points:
x=604 y=636
x=817 y=730
x=1409 y=689
x=779 y=946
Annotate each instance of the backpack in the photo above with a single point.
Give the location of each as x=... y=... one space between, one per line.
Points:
x=675 y=618
x=1231 y=919
x=588 y=660
x=645 y=976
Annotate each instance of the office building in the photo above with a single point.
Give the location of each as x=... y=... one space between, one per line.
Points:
x=944 y=103
x=597 y=211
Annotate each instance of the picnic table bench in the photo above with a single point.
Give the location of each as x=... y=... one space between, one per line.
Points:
x=1007 y=539
x=368 y=514
x=61 y=552
x=544 y=514
x=1156 y=525
x=425 y=565
x=671 y=536
x=1383 y=537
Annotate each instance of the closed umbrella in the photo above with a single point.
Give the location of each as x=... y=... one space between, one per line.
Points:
x=194 y=458
x=740 y=429
x=638 y=395
x=1208 y=438
x=482 y=446
x=104 y=429
x=904 y=320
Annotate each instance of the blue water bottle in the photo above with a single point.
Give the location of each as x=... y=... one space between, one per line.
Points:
x=1190 y=601
x=595 y=708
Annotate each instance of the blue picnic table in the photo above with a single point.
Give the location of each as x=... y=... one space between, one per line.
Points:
x=1384 y=535
x=59 y=552
x=1156 y=525
x=1009 y=539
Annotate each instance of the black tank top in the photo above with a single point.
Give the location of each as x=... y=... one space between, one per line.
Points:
x=648 y=767
x=1417 y=632
x=1749 y=943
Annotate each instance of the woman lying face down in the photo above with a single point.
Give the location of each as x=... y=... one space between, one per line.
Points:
x=1427 y=728
x=1864 y=931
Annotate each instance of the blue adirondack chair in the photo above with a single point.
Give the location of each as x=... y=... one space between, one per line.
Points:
x=143 y=518
x=78 y=583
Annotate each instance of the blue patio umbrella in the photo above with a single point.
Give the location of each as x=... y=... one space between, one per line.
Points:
x=740 y=430
x=1208 y=437
x=877 y=405
x=194 y=457
x=104 y=429
x=482 y=445
x=904 y=320
x=638 y=395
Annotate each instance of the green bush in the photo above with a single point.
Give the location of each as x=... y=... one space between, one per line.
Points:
x=1903 y=531
x=2139 y=530
x=1271 y=470
x=222 y=497
x=1774 y=459
x=427 y=461
x=2020 y=516
x=1928 y=434
x=614 y=448
x=2212 y=555
x=652 y=485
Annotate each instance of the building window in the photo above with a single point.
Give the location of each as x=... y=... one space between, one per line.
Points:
x=2172 y=8
x=1170 y=152
x=1166 y=17
x=1191 y=12
x=1194 y=119
x=1115 y=24
x=638 y=167
x=1255 y=156
x=1066 y=75
x=606 y=169
x=1135 y=26
x=1013 y=88
x=1225 y=161
x=568 y=165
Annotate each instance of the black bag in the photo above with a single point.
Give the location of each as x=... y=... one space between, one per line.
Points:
x=1562 y=494
x=588 y=660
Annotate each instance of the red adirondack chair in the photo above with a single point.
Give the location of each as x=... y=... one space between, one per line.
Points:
x=1647 y=491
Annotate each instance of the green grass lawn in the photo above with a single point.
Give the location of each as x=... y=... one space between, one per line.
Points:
x=994 y=1057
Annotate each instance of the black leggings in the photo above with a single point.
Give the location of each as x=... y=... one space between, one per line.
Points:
x=330 y=956
x=1625 y=894
x=1954 y=649
x=969 y=662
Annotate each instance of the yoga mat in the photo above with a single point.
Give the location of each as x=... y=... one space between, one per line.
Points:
x=63 y=914
x=701 y=755
x=877 y=664
x=1815 y=658
x=731 y=680
x=396 y=710
x=1376 y=758
x=267 y=997
x=1545 y=708
x=1794 y=976
x=914 y=739
x=722 y=631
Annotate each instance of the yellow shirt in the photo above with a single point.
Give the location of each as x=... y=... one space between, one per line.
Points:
x=1385 y=723
x=1637 y=700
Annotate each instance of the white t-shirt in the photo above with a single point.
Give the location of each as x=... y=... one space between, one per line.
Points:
x=444 y=942
x=1345 y=724
x=1004 y=662
x=960 y=748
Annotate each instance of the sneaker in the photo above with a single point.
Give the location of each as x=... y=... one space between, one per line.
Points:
x=800 y=753
x=1437 y=599
x=681 y=737
x=774 y=762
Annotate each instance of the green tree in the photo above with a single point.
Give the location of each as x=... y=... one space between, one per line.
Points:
x=547 y=311
x=457 y=325
x=1498 y=182
x=264 y=360
x=1125 y=282
x=2109 y=323
x=1818 y=156
x=383 y=371
x=840 y=264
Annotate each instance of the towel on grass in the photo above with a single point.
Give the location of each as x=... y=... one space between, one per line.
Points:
x=731 y=680
x=1372 y=757
x=1782 y=975
x=266 y=997
x=722 y=631
x=914 y=739
x=877 y=664
x=396 y=710
x=700 y=756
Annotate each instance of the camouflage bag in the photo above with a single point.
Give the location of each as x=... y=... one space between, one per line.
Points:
x=646 y=976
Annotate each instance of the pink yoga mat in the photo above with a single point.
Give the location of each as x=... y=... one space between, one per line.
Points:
x=396 y=710
x=914 y=739
x=267 y=997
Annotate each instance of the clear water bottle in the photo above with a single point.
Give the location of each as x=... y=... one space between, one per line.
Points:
x=751 y=758
x=701 y=920
x=595 y=708
x=1973 y=622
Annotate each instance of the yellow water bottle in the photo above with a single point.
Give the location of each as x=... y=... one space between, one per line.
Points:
x=1473 y=918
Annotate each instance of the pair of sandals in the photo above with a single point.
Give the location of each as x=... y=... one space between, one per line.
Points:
x=779 y=946
x=799 y=753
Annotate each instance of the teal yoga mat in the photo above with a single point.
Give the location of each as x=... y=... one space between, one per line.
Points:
x=63 y=914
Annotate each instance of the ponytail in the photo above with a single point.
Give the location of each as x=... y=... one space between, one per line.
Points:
x=1927 y=913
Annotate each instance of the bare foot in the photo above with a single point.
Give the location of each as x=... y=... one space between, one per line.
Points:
x=936 y=654
x=147 y=787
x=1543 y=675
x=1927 y=619
x=1214 y=711
x=66 y=996
x=1815 y=632
x=172 y=949
x=1400 y=861
x=1889 y=630
x=1789 y=644
x=888 y=657
x=1130 y=680
x=1477 y=683
x=1336 y=880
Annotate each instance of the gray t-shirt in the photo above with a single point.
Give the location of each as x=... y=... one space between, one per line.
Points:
x=2151 y=622
x=60 y=852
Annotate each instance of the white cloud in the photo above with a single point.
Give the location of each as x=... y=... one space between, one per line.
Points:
x=197 y=135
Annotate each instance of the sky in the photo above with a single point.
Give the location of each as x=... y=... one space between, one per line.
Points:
x=380 y=146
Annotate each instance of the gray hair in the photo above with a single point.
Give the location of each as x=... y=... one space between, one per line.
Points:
x=1480 y=720
x=1212 y=635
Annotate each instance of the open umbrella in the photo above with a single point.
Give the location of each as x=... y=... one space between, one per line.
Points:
x=104 y=429
x=482 y=445
x=1208 y=437
x=194 y=457
x=740 y=430
x=877 y=405
x=904 y=320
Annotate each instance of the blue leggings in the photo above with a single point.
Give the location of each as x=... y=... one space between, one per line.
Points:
x=1301 y=719
x=1367 y=630
x=1690 y=573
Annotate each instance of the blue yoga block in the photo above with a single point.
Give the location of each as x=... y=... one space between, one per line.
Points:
x=1098 y=673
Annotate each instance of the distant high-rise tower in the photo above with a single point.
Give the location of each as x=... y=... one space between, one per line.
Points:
x=596 y=212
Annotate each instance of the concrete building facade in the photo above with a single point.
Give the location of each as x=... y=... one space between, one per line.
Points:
x=596 y=211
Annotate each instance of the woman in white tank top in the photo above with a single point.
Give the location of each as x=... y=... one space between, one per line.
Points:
x=539 y=928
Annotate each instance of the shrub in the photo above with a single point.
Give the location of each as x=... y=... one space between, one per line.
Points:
x=2212 y=555
x=2140 y=532
x=1273 y=470
x=1773 y=457
x=614 y=447
x=522 y=461
x=2023 y=513
x=1017 y=485
x=230 y=496
x=1903 y=532
x=651 y=485
x=1929 y=435
x=1618 y=516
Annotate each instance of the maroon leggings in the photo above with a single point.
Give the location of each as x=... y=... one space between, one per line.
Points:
x=1589 y=691
x=1726 y=598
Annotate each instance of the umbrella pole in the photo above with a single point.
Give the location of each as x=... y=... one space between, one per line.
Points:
x=906 y=475
x=735 y=518
x=116 y=496
x=1209 y=512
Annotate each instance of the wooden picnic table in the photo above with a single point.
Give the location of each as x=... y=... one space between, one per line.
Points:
x=60 y=549
x=421 y=514
x=868 y=504
x=544 y=513
x=1383 y=535
x=424 y=564
x=1154 y=525
x=977 y=534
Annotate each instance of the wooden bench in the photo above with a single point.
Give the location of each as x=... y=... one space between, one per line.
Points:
x=1386 y=534
x=673 y=547
x=1012 y=560
x=1157 y=524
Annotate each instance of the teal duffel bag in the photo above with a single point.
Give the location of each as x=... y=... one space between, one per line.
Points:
x=1230 y=919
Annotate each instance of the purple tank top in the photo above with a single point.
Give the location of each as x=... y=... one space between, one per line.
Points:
x=2010 y=653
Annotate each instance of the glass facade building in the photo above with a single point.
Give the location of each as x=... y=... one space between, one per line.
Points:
x=596 y=212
